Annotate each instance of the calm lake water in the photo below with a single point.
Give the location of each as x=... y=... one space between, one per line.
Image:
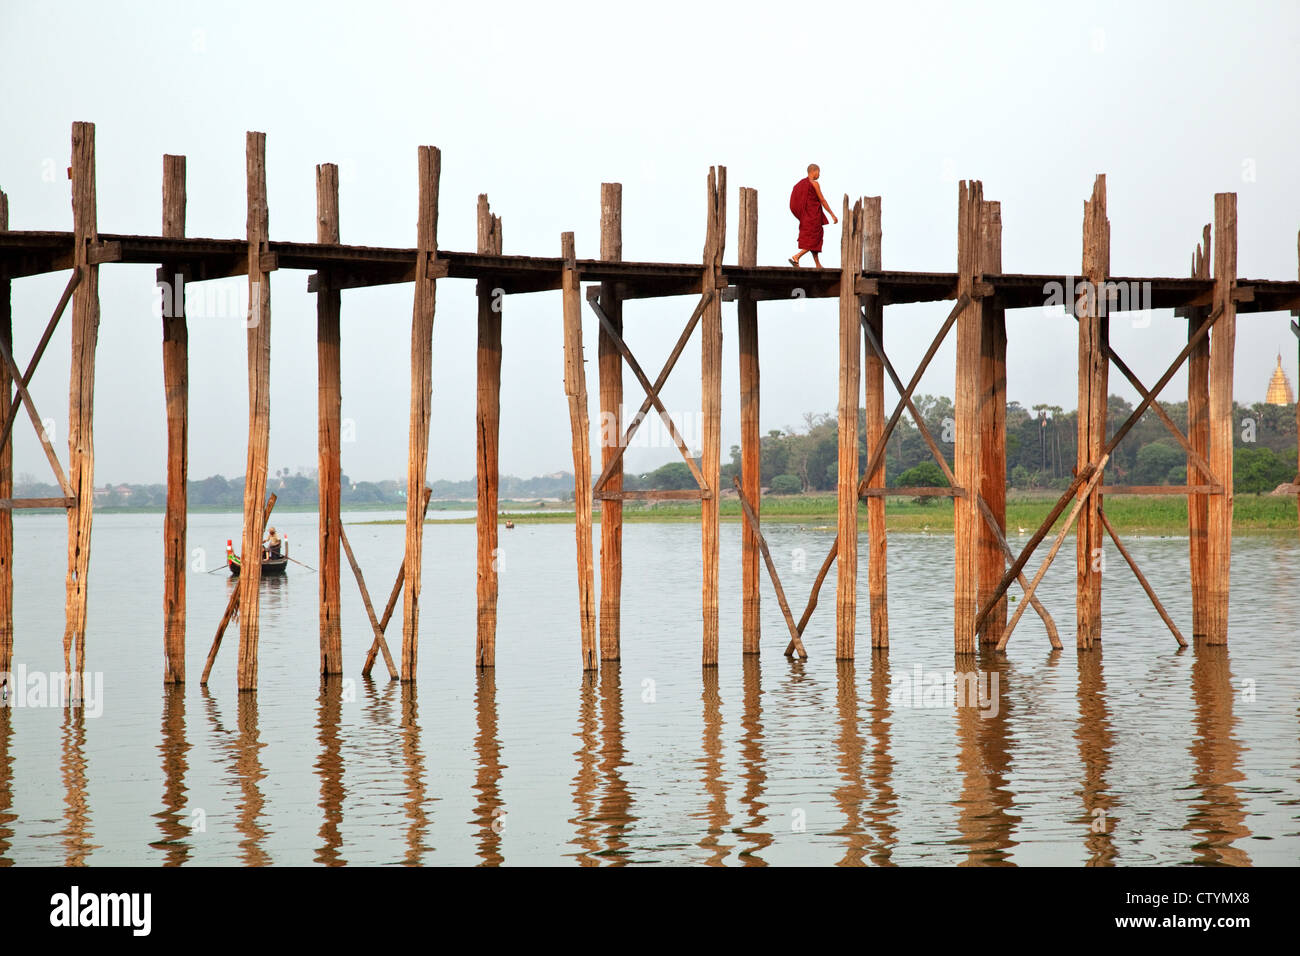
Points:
x=1135 y=754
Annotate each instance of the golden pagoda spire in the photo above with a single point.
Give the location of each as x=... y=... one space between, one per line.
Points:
x=1279 y=387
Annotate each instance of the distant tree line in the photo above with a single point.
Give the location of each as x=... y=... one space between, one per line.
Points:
x=298 y=488
x=1041 y=443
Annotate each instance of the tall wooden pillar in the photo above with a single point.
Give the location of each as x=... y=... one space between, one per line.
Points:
x=611 y=428
x=873 y=377
x=489 y=434
x=81 y=395
x=1222 y=345
x=711 y=405
x=575 y=389
x=1094 y=336
x=846 y=590
x=993 y=426
x=329 y=411
x=1198 y=435
x=6 y=467
x=426 y=269
x=259 y=409
x=751 y=452
x=966 y=466
x=176 y=384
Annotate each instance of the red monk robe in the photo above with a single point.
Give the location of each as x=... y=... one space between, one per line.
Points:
x=807 y=208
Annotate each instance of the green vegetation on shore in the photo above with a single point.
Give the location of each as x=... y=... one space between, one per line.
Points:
x=1162 y=514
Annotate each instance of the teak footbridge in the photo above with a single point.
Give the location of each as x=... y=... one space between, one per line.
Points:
x=985 y=564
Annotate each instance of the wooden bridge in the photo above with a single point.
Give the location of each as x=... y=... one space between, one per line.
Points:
x=1210 y=299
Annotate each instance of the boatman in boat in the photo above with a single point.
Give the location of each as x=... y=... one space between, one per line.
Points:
x=272 y=545
x=807 y=203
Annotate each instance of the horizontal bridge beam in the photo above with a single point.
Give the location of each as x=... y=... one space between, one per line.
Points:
x=25 y=253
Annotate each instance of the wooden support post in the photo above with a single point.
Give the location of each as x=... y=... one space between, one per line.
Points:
x=259 y=409
x=430 y=167
x=993 y=428
x=966 y=456
x=575 y=388
x=711 y=405
x=1094 y=335
x=1222 y=345
x=489 y=434
x=176 y=386
x=6 y=466
x=1198 y=435
x=873 y=376
x=846 y=588
x=611 y=428
x=751 y=485
x=329 y=425
x=81 y=395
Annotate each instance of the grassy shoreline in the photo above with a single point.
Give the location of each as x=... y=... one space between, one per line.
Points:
x=1164 y=514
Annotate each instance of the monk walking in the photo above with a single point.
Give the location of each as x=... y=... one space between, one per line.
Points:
x=807 y=203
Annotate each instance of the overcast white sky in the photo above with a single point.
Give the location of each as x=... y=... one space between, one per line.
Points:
x=537 y=104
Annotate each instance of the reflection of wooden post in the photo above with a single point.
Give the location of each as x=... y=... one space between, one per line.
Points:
x=750 y=436
x=873 y=403
x=489 y=432
x=329 y=427
x=993 y=427
x=176 y=381
x=711 y=405
x=575 y=387
x=430 y=166
x=259 y=410
x=1094 y=336
x=966 y=463
x=81 y=395
x=846 y=589
x=1198 y=435
x=6 y=472
x=1223 y=338
x=611 y=427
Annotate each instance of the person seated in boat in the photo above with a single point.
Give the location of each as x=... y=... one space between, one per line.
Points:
x=271 y=548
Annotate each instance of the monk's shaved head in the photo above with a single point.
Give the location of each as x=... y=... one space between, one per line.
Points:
x=814 y=168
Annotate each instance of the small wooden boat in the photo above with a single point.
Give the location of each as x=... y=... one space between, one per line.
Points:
x=271 y=567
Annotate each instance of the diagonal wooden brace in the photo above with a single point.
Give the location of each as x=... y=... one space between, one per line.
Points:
x=1097 y=470
x=651 y=390
x=36 y=421
x=1197 y=458
x=1086 y=474
x=882 y=442
x=796 y=633
x=50 y=326
x=1160 y=608
x=985 y=510
x=379 y=644
x=232 y=606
